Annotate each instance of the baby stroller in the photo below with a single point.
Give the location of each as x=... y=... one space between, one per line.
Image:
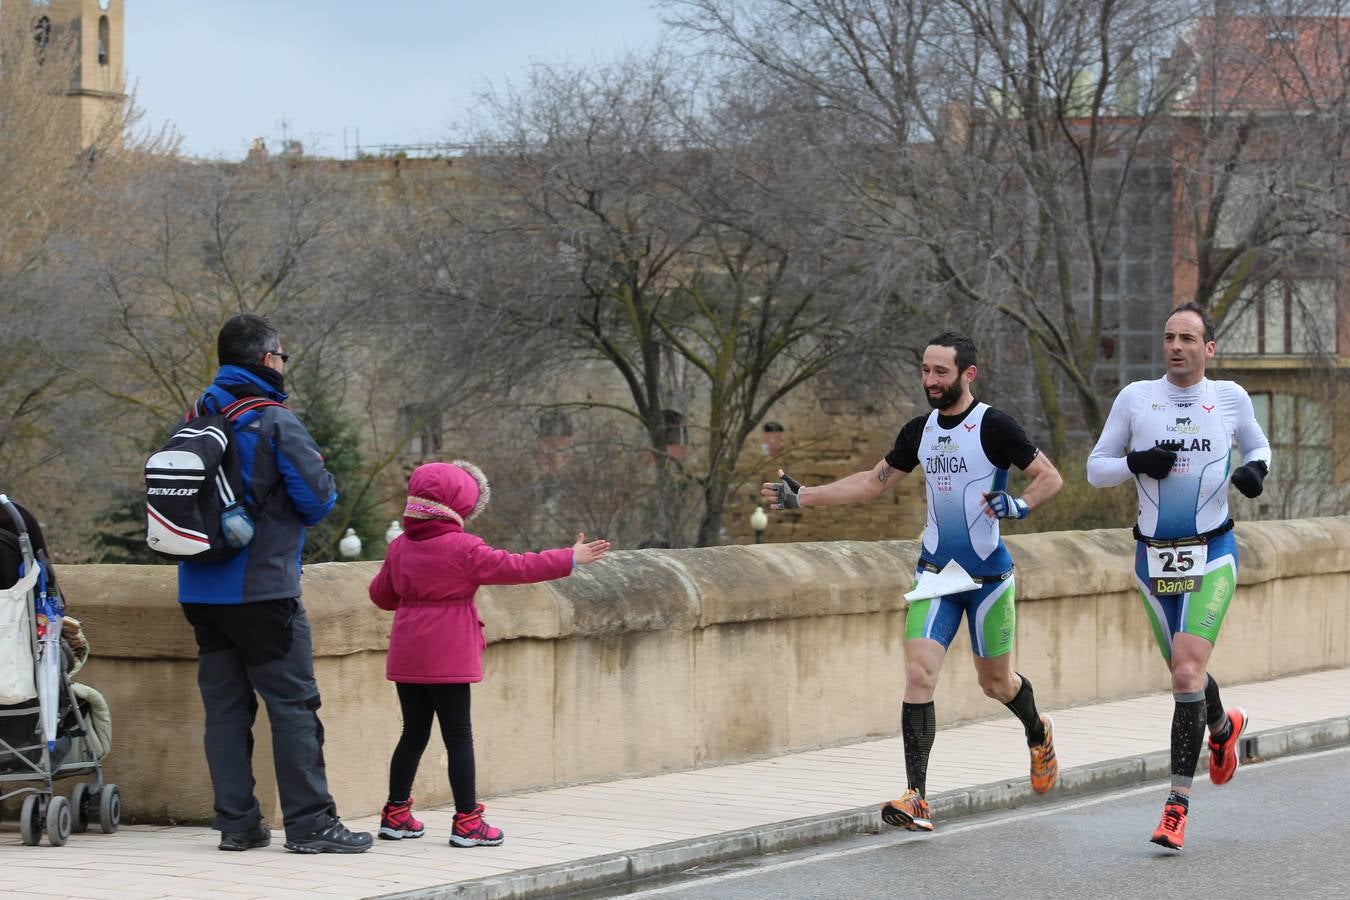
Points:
x=50 y=727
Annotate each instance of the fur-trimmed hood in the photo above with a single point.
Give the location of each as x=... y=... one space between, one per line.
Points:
x=454 y=492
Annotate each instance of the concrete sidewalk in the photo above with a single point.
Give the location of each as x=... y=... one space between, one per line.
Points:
x=591 y=835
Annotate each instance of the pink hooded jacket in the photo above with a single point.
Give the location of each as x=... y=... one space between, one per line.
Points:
x=433 y=570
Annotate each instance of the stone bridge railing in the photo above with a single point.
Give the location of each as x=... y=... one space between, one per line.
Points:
x=661 y=660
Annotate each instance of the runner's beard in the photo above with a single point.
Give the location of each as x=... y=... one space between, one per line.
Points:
x=948 y=396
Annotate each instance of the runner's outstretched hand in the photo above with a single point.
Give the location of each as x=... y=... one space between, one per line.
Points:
x=783 y=494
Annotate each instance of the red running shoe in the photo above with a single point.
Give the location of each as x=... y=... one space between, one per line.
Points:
x=1223 y=757
x=1171 y=831
x=472 y=830
x=397 y=822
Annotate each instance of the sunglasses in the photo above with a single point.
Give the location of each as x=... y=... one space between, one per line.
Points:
x=285 y=357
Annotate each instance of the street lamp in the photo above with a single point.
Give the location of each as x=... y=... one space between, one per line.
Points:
x=350 y=545
x=759 y=521
x=393 y=531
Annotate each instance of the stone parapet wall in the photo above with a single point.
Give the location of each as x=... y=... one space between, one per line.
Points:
x=661 y=660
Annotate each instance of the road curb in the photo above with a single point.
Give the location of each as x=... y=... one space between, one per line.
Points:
x=664 y=859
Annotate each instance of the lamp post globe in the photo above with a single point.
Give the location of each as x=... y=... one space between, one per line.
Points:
x=759 y=521
x=350 y=545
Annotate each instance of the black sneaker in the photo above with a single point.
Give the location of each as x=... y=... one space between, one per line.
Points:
x=331 y=838
x=257 y=836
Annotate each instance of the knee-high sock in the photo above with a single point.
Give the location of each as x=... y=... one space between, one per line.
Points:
x=1023 y=705
x=918 y=728
x=1188 y=733
x=1215 y=716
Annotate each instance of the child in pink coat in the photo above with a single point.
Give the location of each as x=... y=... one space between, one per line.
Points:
x=429 y=579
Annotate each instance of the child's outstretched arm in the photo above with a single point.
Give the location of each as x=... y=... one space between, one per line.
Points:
x=488 y=565
x=583 y=552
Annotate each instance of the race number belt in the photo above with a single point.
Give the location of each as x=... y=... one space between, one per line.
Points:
x=1177 y=565
x=978 y=579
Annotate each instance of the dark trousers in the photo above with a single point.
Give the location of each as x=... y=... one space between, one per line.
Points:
x=449 y=703
x=253 y=650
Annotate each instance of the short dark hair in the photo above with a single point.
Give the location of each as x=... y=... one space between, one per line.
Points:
x=1193 y=307
x=245 y=339
x=966 y=354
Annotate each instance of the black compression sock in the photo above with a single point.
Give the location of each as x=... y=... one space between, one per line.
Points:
x=1219 y=725
x=1024 y=707
x=1188 y=733
x=918 y=728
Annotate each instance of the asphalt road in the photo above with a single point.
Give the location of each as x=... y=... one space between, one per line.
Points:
x=1279 y=829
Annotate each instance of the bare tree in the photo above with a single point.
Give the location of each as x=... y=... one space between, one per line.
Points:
x=660 y=225
x=1033 y=151
x=57 y=197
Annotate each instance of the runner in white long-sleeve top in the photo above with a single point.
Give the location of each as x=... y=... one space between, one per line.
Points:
x=1174 y=437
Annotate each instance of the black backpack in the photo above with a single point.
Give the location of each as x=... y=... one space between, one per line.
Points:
x=193 y=485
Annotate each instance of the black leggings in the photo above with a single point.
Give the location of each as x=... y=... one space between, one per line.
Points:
x=450 y=704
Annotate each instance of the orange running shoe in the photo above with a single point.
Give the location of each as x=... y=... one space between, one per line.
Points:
x=1223 y=757
x=910 y=812
x=1171 y=831
x=1044 y=766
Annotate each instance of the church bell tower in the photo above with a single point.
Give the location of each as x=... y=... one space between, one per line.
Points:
x=98 y=82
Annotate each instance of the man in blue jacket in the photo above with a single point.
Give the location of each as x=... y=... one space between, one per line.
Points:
x=251 y=629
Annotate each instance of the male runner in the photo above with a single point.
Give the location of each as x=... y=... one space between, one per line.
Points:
x=1174 y=436
x=965 y=448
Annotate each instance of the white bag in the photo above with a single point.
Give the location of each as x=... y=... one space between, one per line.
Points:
x=17 y=683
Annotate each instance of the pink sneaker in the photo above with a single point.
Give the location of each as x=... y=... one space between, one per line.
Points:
x=397 y=822
x=471 y=830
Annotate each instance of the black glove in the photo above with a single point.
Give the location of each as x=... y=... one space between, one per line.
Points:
x=787 y=491
x=1250 y=479
x=1155 y=462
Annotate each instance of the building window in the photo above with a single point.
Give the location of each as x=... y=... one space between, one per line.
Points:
x=420 y=427
x=1242 y=205
x=676 y=435
x=554 y=441
x=1299 y=431
x=554 y=423
x=102 y=40
x=1285 y=318
x=771 y=441
x=42 y=35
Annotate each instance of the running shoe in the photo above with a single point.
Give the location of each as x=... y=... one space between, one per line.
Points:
x=1171 y=831
x=472 y=830
x=910 y=812
x=1223 y=756
x=397 y=822
x=1044 y=766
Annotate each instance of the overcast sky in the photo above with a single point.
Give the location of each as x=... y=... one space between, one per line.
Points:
x=226 y=71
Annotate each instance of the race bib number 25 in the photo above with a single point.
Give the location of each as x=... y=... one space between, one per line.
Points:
x=1176 y=570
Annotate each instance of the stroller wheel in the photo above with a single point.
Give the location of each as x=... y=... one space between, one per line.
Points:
x=30 y=820
x=58 y=821
x=79 y=808
x=110 y=808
